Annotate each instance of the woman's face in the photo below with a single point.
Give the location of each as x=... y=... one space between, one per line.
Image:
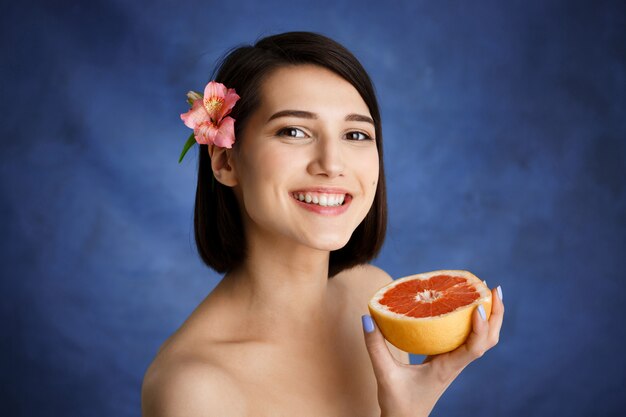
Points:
x=311 y=131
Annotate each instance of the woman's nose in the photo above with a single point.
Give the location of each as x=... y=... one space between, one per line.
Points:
x=328 y=159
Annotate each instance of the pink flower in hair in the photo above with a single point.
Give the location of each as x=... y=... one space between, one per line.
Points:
x=208 y=116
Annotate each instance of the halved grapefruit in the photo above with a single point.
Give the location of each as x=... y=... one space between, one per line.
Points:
x=429 y=313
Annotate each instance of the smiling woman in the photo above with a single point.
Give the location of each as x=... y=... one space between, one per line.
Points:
x=292 y=153
x=297 y=211
x=273 y=79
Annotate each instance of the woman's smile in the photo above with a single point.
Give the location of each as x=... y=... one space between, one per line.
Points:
x=324 y=202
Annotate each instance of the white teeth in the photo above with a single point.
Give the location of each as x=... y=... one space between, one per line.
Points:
x=323 y=200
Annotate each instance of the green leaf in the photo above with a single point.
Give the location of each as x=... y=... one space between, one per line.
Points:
x=190 y=141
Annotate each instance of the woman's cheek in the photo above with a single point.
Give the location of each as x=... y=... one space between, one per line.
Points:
x=373 y=169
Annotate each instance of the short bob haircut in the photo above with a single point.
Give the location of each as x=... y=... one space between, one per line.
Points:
x=218 y=227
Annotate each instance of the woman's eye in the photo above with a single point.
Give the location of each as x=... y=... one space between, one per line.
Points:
x=292 y=132
x=358 y=136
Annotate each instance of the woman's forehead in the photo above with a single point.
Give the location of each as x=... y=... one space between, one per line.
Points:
x=310 y=88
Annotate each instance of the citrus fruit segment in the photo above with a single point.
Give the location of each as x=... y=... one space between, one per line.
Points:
x=429 y=313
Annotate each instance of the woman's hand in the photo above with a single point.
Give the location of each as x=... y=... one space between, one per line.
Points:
x=412 y=390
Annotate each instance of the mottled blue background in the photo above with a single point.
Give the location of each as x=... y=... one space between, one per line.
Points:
x=505 y=150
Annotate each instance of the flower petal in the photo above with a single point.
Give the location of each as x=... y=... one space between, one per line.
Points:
x=225 y=136
x=214 y=89
x=205 y=133
x=196 y=115
x=229 y=102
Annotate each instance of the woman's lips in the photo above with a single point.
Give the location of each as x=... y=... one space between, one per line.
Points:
x=328 y=210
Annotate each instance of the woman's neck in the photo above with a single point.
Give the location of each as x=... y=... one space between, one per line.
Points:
x=282 y=288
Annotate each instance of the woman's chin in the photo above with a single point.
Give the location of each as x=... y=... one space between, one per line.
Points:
x=330 y=243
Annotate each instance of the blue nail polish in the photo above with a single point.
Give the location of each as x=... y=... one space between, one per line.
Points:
x=368 y=323
x=481 y=311
x=499 y=292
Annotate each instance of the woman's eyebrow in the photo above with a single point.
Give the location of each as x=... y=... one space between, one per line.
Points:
x=352 y=117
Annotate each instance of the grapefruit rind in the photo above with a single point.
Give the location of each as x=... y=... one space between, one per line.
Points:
x=429 y=335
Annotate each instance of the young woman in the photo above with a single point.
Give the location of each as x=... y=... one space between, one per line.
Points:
x=292 y=212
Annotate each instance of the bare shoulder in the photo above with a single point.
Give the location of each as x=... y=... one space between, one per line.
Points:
x=365 y=278
x=363 y=281
x=186 y=386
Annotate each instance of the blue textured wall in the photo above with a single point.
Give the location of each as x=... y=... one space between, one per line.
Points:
x=505 y=147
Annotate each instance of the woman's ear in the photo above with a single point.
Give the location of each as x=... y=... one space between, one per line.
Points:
x=222 y=165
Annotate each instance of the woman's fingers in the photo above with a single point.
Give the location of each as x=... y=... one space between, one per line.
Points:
x=497 y=316
x=477 y=342
x=382 y=360
x=485 y=335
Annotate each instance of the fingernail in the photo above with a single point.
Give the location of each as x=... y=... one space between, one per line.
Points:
x=481 y=311
x=499 y=292
x=368 y=323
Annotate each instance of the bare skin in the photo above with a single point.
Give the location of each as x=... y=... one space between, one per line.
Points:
x=318 y=371
x=276 y=337
x=277 y=332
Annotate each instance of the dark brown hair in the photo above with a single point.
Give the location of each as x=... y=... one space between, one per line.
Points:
x=217 y=221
